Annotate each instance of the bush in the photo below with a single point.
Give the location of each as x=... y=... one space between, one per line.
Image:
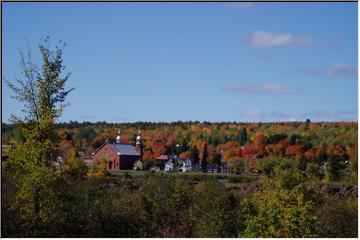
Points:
x=283 y=209
x=241 y=179
x=338 y=218
x=270 y=164
x=238 y=165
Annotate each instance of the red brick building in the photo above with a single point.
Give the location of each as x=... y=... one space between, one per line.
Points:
x=119 y=156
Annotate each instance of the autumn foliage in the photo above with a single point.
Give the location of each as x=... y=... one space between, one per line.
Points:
x=231 y=139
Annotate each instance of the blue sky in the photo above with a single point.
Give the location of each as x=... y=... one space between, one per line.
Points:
x=194 y=61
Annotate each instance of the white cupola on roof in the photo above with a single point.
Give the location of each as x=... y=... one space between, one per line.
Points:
x=138 y=138
x=118 y=138
x=139 y=144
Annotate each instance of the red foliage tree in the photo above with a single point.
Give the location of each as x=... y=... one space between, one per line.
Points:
x=293 y=150
x=184 y=154
x=260 y=139
x=310 y=154
x=248 y=149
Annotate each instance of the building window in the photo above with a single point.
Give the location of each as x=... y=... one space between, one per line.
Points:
x=110 y=164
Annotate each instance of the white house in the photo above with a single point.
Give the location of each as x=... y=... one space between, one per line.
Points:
x=186 y=166
x=169 y=166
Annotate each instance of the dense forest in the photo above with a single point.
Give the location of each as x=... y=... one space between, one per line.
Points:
x=311 y=143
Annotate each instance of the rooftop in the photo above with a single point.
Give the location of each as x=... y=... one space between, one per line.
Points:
x=125 y=149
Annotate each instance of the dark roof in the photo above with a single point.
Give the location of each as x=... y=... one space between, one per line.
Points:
x=125 y=149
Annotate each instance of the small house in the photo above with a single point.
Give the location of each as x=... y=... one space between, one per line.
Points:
x=186 y=166
x=169 y=166
x=212 y=168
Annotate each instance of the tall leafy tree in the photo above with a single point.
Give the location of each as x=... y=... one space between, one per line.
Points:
x=42 y=92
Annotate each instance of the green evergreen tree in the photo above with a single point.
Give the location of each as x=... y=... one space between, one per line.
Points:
x=307 y=123
x=334 y=168
x=194 y=155
x=292 y=139
x=242 y=136
x=204 y=158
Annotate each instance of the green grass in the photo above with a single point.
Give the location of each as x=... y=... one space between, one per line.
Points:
x=128 y=172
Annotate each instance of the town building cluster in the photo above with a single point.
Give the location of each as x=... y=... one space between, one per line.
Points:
x=121 y=156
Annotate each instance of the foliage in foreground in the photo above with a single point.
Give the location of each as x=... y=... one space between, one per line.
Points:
x=156 y=205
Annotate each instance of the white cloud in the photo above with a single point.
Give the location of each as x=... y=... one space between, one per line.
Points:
x=340 y=114
x=250 y=88
x=268 y=39
x=264 y=88
x=253 y=113
x=276 y=89
x=290 y=120
x=335 y=69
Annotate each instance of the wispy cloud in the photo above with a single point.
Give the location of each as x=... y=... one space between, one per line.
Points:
x=281 y=116
x=265 y=89
x=250 y=88
x=277 y=89
x=339 y=114
x=289 y=120
x=335 y=69
x=268 y=39
x=240 y=5
x=253 y=113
